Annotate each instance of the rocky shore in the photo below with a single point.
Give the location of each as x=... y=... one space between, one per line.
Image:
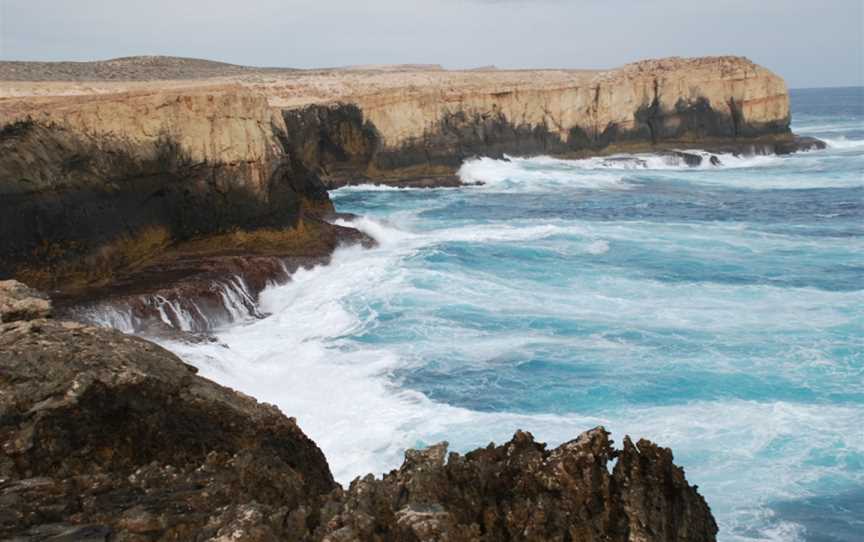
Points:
x=107 y=437
x=173 y=191
x=109 y=174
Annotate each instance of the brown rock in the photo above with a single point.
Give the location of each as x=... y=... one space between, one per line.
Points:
x=106 y=436
x=521 y=491
x=18 y=302
x=101 y=428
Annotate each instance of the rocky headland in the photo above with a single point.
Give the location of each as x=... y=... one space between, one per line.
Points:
x=173 y=191
x=107 y=437
x=128 y=175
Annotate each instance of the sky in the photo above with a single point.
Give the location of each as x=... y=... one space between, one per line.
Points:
x=810 y=43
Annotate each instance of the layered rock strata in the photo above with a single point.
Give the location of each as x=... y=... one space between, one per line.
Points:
x=107 y=437
x=101 y=180
x=428 y=125
x=102 y=185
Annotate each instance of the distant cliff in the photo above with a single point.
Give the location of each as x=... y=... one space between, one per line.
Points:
x=100 y=177
x=427 y=124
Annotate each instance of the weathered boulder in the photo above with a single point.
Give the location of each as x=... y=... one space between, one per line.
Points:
x=19 y=302
x=114 y=436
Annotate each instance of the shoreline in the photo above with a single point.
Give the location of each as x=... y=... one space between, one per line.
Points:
x=186 y=286
x=191 y=456
x=176 y=203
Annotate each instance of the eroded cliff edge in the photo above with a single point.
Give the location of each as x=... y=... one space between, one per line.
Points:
x=130 y=182
x=430 y=123
x=107 y=437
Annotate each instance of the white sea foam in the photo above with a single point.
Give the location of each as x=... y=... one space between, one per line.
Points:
x=310 y=359
x=843 y=143
x=598 y=247
x=543 y=174
x=660 y=162
x=345 y=398
x=514 y=175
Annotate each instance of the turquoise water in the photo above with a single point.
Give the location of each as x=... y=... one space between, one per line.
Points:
x=718 y=311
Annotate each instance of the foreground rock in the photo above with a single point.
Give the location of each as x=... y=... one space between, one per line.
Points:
x=18 y=302
x=109 y=437
x=522 y=491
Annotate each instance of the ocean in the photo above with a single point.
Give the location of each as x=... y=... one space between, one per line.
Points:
x=717 y=310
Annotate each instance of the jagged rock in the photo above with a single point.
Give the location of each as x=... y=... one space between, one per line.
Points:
x=521 y=491
x=107 y=436
x=19 y=302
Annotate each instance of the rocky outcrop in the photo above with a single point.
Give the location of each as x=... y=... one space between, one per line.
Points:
x=94 y=187
x=522 y=491
x=106 y=436
x=199 y=286
x=18 y=302
x=109 y=437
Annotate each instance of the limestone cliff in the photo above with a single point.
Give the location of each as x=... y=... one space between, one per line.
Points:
x=97 y=177
x=428 y=123
x=93 y=184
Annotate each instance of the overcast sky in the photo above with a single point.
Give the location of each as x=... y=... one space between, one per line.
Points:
x=809 y=42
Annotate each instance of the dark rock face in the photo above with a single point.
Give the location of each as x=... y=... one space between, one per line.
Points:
x=699 y=120
x=73 y=208
x=334 y=141
x=460 y=136
x=341 y=146
x=106 y=436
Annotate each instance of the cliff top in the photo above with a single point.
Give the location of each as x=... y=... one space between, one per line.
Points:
x=163 y=68
x=132 y=68
x=166 y=68
x=32 y=83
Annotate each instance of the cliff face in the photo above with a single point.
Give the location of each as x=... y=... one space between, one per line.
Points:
x=95 y=184
x=665 y=93
x=98 y=177
x=427 y=124
x=108 y=437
